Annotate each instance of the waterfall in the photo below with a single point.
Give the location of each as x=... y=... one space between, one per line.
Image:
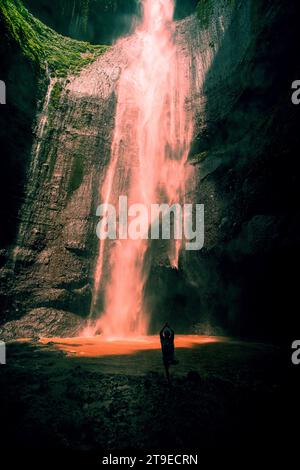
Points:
x=151 y=142
x=41 y=124
x=34 y=169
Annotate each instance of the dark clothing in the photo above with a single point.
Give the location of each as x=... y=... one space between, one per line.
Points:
x=167 y=346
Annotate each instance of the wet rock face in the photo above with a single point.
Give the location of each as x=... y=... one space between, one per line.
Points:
x=45 y=322
x=246 y=152
x=51 y=265
x=178 y=296
x=23 y=89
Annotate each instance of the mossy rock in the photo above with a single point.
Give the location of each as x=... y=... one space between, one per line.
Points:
x=199 y=157
x=204 y=12
x=59 y=54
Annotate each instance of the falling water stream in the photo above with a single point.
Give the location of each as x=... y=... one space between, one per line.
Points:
x=151 y=141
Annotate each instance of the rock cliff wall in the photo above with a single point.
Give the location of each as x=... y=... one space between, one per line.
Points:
x=244 y=154
x=50 y=269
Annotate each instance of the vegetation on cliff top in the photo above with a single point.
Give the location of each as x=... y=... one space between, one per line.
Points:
x=42 y=45
x=95 y=21
x=205 y=10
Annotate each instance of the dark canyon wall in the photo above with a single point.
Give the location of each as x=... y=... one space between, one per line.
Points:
x=244 y=152
x=96 y=21
x=247 y=153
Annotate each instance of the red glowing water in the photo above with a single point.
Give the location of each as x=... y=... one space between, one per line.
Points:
x=100 y=346
x=152 y=137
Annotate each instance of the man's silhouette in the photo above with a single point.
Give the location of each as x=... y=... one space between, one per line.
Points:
x=167 y=346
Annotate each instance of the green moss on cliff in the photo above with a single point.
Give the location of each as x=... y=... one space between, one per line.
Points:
x=205 y=10
x=199 y=157
x=55 y=99
x=55 y=95
x=41 y=44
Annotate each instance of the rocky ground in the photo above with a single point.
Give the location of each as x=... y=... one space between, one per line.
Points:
x=223 y=395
